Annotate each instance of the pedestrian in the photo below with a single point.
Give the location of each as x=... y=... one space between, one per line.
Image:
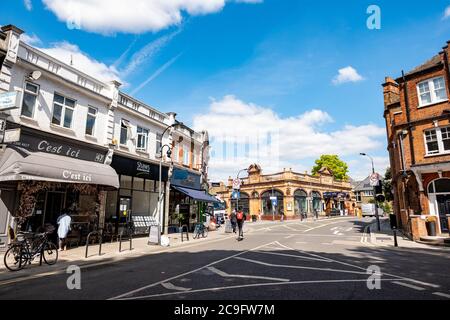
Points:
x=64 y=227
x=260 y=215
x=282 y=216
x=233 y=220
x=241 y=217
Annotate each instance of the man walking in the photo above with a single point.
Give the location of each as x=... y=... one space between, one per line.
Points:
x=233 y=220
x=241 y=217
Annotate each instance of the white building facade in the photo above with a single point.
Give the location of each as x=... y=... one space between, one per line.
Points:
x=72 y=142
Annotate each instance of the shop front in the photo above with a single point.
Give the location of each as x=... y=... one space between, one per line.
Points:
x=42 y=175
x=336 y=201
x=136 y=202
x=188 y=203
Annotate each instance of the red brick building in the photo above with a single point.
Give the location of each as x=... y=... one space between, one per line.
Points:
x=417 y=113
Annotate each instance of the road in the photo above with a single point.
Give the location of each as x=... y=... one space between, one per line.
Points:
x=327 y=259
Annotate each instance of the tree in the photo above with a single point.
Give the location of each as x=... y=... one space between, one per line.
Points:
x=332 y=162
x=387 y=185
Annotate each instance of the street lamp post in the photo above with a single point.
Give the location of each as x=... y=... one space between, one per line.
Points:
x=374 y=192
x=169 y=154
x=237 y=199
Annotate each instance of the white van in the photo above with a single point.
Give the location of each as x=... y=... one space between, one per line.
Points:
x=368 y=210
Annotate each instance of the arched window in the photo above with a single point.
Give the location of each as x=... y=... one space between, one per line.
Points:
x=439 y=186
x=266 y=202
x=300 y=201
x=316 y=201
x=243 y=203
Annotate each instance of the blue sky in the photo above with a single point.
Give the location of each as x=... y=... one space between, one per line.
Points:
x=273 y=58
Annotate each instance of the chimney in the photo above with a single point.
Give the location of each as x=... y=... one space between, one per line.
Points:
x=391 y=91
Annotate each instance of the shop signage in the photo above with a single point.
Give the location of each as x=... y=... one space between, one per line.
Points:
x=9 y=100
x=184 y=178
x=35 y=141
x=141 y=169
x=274 y=201
x=12 y=135
x=328 y=195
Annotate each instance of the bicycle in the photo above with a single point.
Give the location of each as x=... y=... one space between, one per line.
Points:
x=27 y=247
x=200 y=229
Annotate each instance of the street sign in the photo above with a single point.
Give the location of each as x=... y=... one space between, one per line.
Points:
x=9 y=100
x=237 y=184
x=12 y=135
x=274 y=201
x=374 y=179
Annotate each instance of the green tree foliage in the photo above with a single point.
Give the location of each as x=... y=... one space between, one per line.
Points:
x=332 y=162
x=387 y=185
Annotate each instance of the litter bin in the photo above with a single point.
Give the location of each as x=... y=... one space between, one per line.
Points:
x=431 y=228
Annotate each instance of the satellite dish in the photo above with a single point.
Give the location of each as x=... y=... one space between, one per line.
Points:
x=35 y=75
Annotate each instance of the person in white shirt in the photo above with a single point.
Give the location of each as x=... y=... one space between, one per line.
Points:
x=63 y=230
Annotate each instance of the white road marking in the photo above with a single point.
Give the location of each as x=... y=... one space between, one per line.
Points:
x=170 y=286
x=442 y=294
x=292 y=255
x=298 y=267
x=349 y=229
x=409 y=285
x=251 y=286
x=291 y=236
x=361 y=268
x=287 y=227
x=226 y=275
x=187 y=273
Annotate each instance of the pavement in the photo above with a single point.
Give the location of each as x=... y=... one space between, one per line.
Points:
x=333 y=259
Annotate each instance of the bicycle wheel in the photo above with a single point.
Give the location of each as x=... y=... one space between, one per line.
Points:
x=50 y=253
x=205 y=232
x=14 y=259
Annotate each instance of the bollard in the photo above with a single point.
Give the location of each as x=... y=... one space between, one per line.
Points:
x=395 y=238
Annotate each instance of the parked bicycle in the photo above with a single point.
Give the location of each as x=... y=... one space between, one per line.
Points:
x=200 y=230
x=29 y=246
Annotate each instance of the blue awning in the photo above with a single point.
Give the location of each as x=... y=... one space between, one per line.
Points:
x=199 y=195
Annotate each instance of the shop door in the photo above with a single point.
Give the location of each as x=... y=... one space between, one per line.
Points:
x=54 y=207
x=444 y=209
x=125 y=210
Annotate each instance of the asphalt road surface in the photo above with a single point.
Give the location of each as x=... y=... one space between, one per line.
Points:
x=327 y=259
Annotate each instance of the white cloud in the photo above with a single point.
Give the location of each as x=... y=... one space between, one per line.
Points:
x=243 y=133
x=447 y=13
x=32 y=40
x=347 y=74
x=67 y=52
x=132 y=16
x=28 y=5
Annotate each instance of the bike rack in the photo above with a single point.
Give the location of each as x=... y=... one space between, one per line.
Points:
x=182 y=232
x=99 y=233
x=130 y=239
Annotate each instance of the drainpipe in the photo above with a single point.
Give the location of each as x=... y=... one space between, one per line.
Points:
x=447 y=67
x=408 y=119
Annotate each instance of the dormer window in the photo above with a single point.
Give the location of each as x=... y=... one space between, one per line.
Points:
x=432 y=91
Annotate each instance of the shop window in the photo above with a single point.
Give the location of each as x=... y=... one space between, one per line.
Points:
x=63 y=109
x=90 y=120
x=150 y=185
x=125 y=182
x=30 y=94
x=111 y=205
x=138 y=184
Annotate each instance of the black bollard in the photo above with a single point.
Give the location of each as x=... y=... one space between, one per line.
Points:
x=395 y=238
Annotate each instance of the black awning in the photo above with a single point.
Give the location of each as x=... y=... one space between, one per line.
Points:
x=199 y=195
